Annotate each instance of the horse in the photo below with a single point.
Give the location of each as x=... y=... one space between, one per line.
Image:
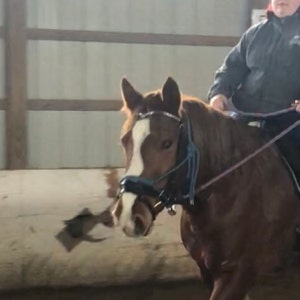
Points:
x=236 y=228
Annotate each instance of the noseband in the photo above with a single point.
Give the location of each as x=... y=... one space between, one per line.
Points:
x=144 y=186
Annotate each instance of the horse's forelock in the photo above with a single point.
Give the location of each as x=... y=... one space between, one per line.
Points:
x=153 y=101
x=128 y=125
x=152 y=94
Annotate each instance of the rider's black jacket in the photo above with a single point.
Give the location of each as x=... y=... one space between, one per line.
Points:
x=262 y=72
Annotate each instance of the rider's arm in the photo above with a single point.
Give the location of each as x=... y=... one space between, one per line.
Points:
x=297 y=105
x=230 y=75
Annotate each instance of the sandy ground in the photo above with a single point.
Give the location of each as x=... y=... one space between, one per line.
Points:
x=283 y=288
x=32 y=213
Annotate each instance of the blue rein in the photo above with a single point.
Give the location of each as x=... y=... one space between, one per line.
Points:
x=143 y=186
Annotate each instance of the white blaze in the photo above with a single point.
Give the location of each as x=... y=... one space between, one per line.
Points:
x=139 y=133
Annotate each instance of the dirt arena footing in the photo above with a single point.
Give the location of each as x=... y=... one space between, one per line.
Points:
x=276 y=289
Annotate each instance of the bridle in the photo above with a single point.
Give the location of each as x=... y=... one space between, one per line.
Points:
x=144 y=186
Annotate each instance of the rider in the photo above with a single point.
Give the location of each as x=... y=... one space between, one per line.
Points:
x=261 y=74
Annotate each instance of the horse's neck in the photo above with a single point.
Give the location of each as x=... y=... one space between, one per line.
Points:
x=223 y=143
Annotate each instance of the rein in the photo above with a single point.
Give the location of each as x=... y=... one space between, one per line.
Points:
x=247 y=158
x=237 y=113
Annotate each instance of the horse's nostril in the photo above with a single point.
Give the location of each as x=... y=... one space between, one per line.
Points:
x=106 y=218
x=139 y=227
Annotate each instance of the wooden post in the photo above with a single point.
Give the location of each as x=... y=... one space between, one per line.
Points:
x=16 y=83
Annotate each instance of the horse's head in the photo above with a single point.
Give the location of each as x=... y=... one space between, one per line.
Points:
x=150 y=140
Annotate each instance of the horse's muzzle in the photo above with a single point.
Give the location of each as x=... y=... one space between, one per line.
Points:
x=141 y=222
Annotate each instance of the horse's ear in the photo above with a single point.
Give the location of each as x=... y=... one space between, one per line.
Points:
x=171 y=95
x=131 y=97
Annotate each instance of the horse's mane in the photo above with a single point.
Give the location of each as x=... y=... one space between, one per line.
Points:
x=223 y=140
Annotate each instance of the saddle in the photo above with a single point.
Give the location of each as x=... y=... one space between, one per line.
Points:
x=294 y=173
x=289 y=145
x=289 y=149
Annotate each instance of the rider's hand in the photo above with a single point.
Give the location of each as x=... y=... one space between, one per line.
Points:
x=218 y=102
x=296 y=104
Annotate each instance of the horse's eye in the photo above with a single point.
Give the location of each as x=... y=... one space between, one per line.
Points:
x=166 y=144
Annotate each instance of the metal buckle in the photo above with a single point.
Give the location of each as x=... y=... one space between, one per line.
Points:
x=172 y=210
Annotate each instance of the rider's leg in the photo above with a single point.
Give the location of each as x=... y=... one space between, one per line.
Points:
x=289 y=145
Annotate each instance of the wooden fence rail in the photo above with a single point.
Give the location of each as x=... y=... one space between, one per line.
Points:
x=16 y=34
